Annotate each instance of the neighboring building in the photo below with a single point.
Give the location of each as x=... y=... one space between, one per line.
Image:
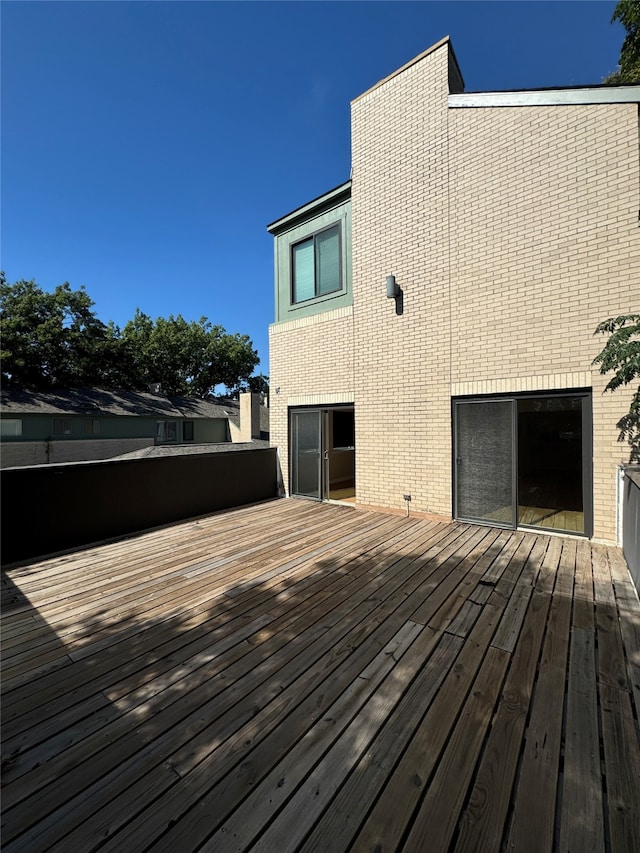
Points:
x=504 y=225
x=248 y=417
x=38 y=427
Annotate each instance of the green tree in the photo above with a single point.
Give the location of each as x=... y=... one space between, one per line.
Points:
x=185 y=358
x=259 y=384
x=621 y=355
x=55 y=340
x=628 y=71
x=51 y=339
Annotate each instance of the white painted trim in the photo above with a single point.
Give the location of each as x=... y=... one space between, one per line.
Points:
x=548 y=97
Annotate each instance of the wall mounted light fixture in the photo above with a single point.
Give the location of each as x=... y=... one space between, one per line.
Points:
x=395 y=292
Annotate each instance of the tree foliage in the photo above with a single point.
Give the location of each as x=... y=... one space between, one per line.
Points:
x=627 y=12
x=186 y=358
x=51 y=339
x=621 y=355
x=259 y=384
x=55 y=340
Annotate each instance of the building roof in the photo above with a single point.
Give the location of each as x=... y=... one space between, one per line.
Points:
x=566 y=96
x=96 y=402
x=601 y=93
x=232 y=408
x=162 y=451
x=459 y=82
x=597 y=93
x=327 y=200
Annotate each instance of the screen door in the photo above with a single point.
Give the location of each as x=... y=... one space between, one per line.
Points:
x=485 y=482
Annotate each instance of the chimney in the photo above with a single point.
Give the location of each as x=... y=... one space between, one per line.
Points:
x=249 y=416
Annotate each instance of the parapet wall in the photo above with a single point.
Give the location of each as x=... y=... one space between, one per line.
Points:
x=52 y=508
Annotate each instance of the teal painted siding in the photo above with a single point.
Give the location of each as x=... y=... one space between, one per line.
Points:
x=210 y=431
x=41 y=428
x=316 y=219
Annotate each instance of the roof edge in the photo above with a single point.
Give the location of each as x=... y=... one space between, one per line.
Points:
x=575 y=95
x=443 y=41
x=333 y=196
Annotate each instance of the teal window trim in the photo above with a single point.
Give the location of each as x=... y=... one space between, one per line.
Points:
x=316 y=265
x=286 y=308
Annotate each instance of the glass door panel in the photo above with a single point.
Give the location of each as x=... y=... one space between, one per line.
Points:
x=484 y=462
x=306 y=467
x=551 y=465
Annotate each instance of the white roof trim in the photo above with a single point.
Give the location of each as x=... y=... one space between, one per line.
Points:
x=548 y=97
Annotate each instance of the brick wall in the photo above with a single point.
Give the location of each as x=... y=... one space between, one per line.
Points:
x=400 y=227
x=512 y=233
x=311 y=363
x=546 y=244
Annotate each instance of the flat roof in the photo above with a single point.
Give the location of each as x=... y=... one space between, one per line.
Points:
x=598 y=94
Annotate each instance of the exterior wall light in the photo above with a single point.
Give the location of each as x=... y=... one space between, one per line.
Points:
x=393 y=289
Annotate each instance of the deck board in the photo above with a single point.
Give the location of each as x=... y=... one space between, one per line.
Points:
x=295 y=676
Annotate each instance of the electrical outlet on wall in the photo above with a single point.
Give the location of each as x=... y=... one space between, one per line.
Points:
x=407 y=497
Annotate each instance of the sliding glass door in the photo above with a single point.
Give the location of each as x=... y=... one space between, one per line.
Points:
x=554 y=462
x=322 y=453
x=306 y=453
x=524 y=461
x=484 y=457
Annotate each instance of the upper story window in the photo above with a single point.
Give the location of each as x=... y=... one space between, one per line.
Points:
x=315 y=265
x=187 y=431
x=91 y=426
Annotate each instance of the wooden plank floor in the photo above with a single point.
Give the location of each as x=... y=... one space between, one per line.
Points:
x=295 y=676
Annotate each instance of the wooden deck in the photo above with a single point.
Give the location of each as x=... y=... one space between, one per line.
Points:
x=294 y=676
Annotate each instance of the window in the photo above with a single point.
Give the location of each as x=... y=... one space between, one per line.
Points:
x=316 y=265
x=11 y=426
x=343 y=430
x=166 y=431
x=91 y=426
x=62 y=426
x=187 y=431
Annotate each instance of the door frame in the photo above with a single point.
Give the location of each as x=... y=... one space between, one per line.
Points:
x=587 y=454
x=323 y=458
x=514 y=467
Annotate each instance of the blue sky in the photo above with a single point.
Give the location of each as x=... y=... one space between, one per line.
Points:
x=146 y=145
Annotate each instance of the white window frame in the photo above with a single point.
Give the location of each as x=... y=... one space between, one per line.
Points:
x=10 y=427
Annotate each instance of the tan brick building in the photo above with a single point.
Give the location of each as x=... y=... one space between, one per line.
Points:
x=506 y=224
